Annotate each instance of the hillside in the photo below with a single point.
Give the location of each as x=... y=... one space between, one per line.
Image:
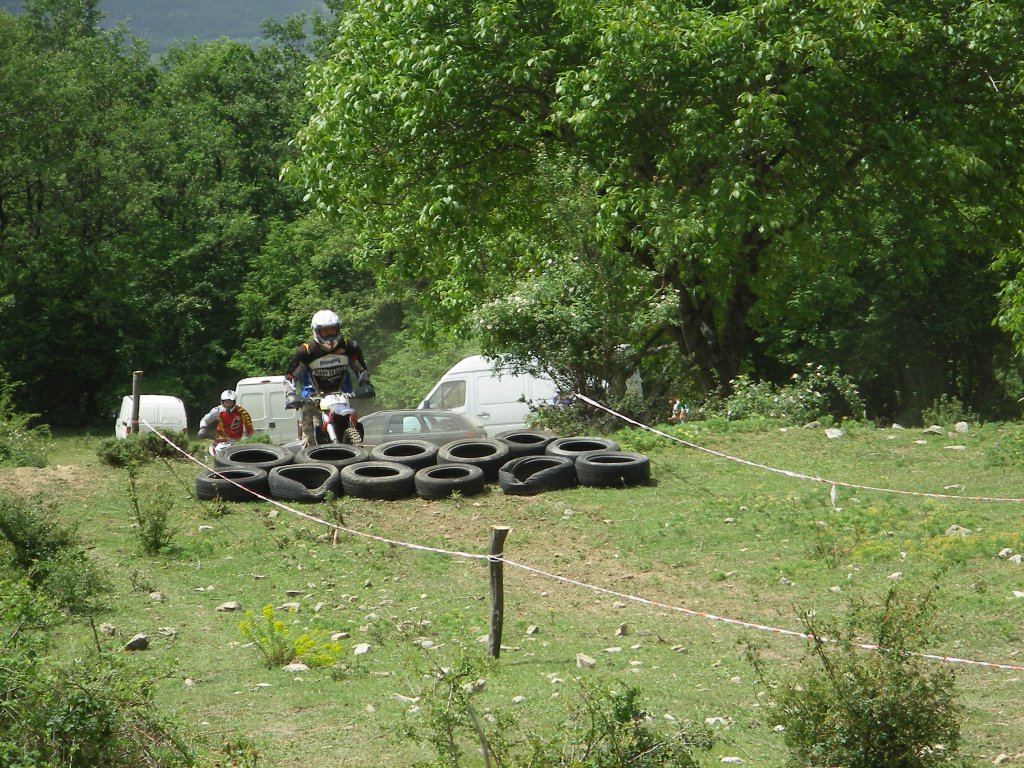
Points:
x=161 y=24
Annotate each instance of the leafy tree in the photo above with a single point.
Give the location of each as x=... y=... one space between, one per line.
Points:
x=722 y=146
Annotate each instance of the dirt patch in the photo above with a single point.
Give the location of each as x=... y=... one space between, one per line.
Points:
x=29 y=481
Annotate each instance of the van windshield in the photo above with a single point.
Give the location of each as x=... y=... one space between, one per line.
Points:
x=451 y=394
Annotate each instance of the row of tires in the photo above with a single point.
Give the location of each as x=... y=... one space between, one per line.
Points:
x=401 y=468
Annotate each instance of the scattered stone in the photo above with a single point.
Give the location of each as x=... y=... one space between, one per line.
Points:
x=335 y=637
x=785 y=582
x=835 y=589
x=138 y=643
x=934 y=429
x=518 y=699
x=1005 y=552
x=729 y=520
x=833 y=433
x=961 y=426
x=360 y=648
x=370 y=708
x=920 y=442
x=584 y=661
x=290 y=607
x=272 y=514
x=1017 y=594
x=189 y=682
x=405 y=699
x=958 y=531
x=533 y=629
x=736 y=679
x=233 y=605
x=475 y=686
x=108 y=629
x=294 y=592
x=955 y=447
x=157 y=597
x=1001 y=759
x=622 y=631
x=897 y=576
x=295 y=666
x=733 y=760
x=167 y=631
x=680 y=649
x=812 y=425
x=618 y=604
x=896 y=426
x=613 y=649
x=367 y=583
x=782 y=728
x=1015 y=559
x=723 y=721
x=204 y=528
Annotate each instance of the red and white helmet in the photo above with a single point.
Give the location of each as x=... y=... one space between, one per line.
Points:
x=228 y=394
x=326 y=329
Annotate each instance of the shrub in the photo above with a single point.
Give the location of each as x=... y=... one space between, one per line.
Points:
x=47 y=553
x=88 y=712
x=21 y=445
x=817 y=393
x=947 y=410
x=144 y=447
x=279 y=645
x=860 y=708
x=151 y=516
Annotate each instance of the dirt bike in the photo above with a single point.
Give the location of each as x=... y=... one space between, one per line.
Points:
x=338 y=420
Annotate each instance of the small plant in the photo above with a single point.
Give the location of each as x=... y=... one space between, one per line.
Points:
x=279 y=646
x=21 y=445
x=151 y=516
x=865 y=708
x=947 y=410
x=143 y=448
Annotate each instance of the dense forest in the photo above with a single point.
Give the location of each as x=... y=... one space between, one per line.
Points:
x=742 y=188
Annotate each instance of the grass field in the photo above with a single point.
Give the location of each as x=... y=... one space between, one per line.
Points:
x=709 y=535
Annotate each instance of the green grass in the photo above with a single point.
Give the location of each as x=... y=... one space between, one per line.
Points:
x=711 y=535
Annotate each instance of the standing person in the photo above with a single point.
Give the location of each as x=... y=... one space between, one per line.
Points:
x=227 y=422
x=321 y=366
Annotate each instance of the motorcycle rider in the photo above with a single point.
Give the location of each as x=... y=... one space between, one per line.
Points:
x=321 y=367
x=228 y=421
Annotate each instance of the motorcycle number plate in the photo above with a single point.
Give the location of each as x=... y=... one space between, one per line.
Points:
x=333 y=400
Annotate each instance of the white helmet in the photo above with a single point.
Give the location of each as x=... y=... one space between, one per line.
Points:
x=228 y=394
x=323 y=322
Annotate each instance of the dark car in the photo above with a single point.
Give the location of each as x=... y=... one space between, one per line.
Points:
x=439 y=427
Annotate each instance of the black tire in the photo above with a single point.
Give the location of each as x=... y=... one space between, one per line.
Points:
x=378 y=480
x=525 y=442
x=263 y=455
x=332 y=453
x=529 y=475
x=574 y=447
x=353 y=436
x=441 y=481
x=307 y=482
x=415 y=454
x=613 y=469
x=217 y=484
x=482 y=452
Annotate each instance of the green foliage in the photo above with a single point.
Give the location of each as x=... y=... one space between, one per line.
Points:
x=79 y=713
x=817 y=393
x=279 y=645
x=151 y=515
x=21 y=445
x=602 y=729
x=947 y=410
x=143 y=447
x=47 y=552
x=865 y=708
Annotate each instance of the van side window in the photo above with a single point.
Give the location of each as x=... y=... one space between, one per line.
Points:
x=451 y=394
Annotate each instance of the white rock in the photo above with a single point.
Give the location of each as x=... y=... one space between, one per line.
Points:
x=290 y=607
x=613 y=649
x=896 y=576
x=296 y=666
x=920 y=442
x=157 y=597
x=233 y=605
x=360 y=648
x=961 y=426
x=896 y=426
x=518 y=699
x=1015 y=559
x=1005 y=552
x=138 y=643
x=108 y=629
x=957 y=530
x=1018 y=594
x=475 y=686
x=832 y=433
x=955 y=447
x=584 y=661
x=934 y=429
x=1001 y=758
x=723 y=721
x=533 y=629
x=205 y=528
x=405 y=699
x=336 y=636
x=781 y=728
x=733 y=760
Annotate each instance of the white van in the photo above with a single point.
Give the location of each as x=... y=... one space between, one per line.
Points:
x=163 y=413
x=494 y=397
x=263 y=398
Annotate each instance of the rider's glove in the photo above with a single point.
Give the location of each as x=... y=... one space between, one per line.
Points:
x=364 y=378
x=293 y=400
x=204 y=433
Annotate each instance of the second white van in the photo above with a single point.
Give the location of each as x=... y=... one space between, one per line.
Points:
x=163 y=413
x=494 y=397
x=263 y=398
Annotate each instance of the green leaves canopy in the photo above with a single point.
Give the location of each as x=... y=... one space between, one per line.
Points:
x=718 y=147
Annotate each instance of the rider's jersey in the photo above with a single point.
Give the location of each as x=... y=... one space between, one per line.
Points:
x=231 y=425
x=323 y=372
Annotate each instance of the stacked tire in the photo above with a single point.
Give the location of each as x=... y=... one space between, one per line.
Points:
x=566 y=462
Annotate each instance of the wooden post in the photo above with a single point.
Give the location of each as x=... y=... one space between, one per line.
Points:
x=496 y=568
x=133 y=424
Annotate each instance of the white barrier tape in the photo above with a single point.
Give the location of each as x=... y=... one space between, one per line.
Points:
x=786 y=472
x=574 y=582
